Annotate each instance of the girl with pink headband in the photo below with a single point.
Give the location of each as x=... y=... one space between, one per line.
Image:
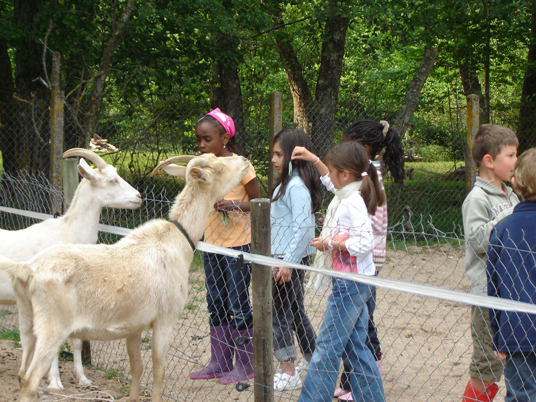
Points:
x=229 y=305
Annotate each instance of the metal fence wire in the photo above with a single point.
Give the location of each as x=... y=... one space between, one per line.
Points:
x=426 y=342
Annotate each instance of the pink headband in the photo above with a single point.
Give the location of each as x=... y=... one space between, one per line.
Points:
x=224 y=120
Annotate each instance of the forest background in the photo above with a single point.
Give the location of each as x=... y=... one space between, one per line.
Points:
x=140 y=74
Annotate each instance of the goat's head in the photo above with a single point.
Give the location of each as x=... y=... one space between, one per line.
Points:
x=221 y=175
x=107 y=187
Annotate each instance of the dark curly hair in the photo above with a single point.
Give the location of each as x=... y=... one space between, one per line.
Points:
x=370 y=132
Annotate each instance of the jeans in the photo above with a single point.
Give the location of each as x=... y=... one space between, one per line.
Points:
x=373 y=342
x=343 y=335
x=520 y=377
x=228 y=291
x=289 y=316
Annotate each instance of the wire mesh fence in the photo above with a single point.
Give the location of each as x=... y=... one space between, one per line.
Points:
x=426 y=342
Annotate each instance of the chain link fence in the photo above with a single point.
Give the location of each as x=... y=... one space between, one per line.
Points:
x=426 y=342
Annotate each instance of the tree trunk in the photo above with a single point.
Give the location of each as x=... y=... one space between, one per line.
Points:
x=526 y=131
x=470 y=82
x=409 y=105
x=104 y=69
x=230 y=90
x=328 y=81
x=301 y=93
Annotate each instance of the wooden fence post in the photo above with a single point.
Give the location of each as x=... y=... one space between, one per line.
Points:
x=261 y=284
x=472 y=127
x=276 y=125
x=70 y=180
x=57 y=101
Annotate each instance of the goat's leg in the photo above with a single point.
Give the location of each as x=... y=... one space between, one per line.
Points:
x=27 y=341
x=161 y=337
x=46 y=348
x=83 y=381
x=136 y=366
x=54 y=381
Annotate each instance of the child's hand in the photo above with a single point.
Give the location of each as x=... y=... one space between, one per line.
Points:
x=304 y=154
x=320 y=244
x=282 y=275
x=224 y=205
x=500 y=355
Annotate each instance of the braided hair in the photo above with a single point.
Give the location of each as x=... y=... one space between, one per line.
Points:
x=378 y=135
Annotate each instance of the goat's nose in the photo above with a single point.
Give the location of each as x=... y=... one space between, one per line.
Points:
x=244 y=158
x=138 y=195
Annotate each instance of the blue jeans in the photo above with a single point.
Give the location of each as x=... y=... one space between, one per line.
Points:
x=343 y=335
x=228 y=290
x=520 y=377
x=373 y=342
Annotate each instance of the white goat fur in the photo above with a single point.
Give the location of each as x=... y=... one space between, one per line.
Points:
x=99 y=188
x=105 y=292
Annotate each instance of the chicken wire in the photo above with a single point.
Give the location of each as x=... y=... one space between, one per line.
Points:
x=426 y=341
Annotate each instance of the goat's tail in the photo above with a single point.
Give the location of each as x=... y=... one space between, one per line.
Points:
x=15 y=270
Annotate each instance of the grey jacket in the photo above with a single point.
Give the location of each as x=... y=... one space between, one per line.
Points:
x=483 y=207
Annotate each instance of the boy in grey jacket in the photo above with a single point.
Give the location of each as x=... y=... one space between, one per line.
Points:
x=495 y=153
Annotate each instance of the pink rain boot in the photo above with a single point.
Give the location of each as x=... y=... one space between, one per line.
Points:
x=243 y=369
x=221 y=361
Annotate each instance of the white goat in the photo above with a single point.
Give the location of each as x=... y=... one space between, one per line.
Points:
x=101 y=187
x=105 y=292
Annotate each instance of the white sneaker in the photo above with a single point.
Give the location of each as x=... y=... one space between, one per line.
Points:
x=302 y=369
x=287 y=382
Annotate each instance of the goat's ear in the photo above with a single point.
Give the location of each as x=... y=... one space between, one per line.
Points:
x=175 y=170
x=85 y=170
x=198 y=174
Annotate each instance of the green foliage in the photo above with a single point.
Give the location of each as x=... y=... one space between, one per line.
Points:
x=435 y=194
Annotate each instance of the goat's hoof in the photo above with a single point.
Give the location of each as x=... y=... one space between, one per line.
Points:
x=55 y=384
x=84 y=382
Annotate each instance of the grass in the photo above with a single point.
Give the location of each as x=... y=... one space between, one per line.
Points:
x=435 y=194
x=10 y=336
x=112 y=372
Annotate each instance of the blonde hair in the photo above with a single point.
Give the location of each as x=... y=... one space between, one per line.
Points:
x=491 y=139
x=525 y=174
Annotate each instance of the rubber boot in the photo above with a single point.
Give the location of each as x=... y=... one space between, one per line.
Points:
x=221 y=361
x=473 y=395
x=243 y=369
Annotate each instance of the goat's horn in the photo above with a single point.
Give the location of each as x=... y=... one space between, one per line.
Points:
x=174 y=159
x=92 y=156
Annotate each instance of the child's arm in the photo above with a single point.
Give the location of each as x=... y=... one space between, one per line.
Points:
x=306 y=155
x=361 y=241
x=298 y=200
x=252 y=189
x=477 y=225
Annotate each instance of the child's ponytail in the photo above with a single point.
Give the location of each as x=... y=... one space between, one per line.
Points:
x=393 y=156
x=371 y=190
x=378 y=136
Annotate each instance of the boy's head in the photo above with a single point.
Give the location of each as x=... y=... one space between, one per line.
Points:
x=524 y=178
x=490 y=139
